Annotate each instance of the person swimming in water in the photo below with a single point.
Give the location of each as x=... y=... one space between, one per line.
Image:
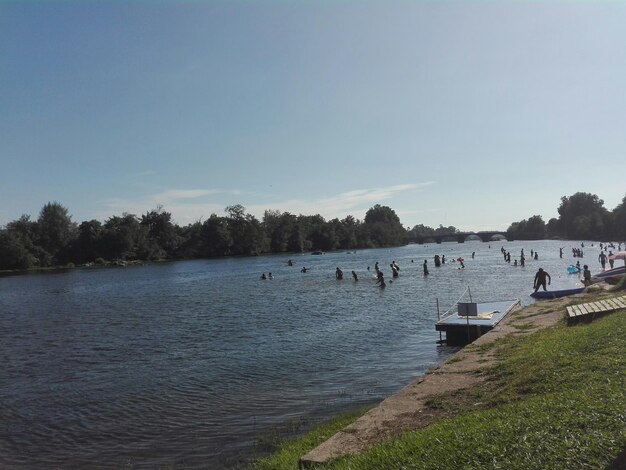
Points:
x=263 y=276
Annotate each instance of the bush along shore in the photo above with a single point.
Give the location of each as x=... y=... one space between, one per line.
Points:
x=542 y=395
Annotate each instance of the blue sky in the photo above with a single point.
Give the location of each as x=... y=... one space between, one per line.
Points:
x=474 y=114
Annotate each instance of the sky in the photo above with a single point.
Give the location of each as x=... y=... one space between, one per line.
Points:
x=475 y=114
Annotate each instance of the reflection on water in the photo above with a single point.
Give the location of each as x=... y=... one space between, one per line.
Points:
x=187 y=363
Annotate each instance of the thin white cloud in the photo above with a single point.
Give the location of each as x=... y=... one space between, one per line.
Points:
x=341 y=204
x=190 y=205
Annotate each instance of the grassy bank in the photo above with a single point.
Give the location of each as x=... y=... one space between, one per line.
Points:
x=556 y=399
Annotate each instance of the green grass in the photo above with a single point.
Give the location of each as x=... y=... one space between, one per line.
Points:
x=556 y=399
x=288 y=452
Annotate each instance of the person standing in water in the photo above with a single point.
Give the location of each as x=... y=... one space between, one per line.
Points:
x=354 y=276
x=425 y=267
x=586 y=276
x=540 y=280
x=338 y=274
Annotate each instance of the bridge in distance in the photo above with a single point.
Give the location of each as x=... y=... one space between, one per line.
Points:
x=461 y=237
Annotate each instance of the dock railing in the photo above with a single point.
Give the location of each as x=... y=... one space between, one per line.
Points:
x=452 y=310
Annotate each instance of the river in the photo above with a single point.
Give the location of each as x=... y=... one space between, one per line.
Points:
x=194 y=363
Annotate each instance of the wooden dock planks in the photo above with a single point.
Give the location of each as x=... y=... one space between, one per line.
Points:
x=589 y=309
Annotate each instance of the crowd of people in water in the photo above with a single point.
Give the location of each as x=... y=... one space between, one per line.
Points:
x=542 y=278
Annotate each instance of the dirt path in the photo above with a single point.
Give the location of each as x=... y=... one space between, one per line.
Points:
x=406 y=410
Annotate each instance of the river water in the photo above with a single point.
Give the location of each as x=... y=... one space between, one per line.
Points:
x=194 y=363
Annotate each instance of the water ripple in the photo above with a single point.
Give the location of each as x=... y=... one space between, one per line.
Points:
x=186 y=364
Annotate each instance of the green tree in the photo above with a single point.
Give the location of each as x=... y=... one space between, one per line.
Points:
x=280 y=229
x=13 y=253
x=162 y=239
x=553 y=228
x=618 y=231
x=384 y=226
x=421 y=232
x=582 y=215
x=216 y=237
x=121 y=236
x=246 y=231
x=55 y=229
x=532 y=229
x=347 y=232
x=319 y=234
x=86 y=247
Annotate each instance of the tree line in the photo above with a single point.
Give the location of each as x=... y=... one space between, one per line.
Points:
x=582 y=216
x=55 y=240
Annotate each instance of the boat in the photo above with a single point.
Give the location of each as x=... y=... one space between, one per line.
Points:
x=619 y=271
x=466 y=321
x=555 y=294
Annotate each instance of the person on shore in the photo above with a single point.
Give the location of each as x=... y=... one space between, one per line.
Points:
x=354 y=276
x=425 y=267
x=586 y=276
x=540 y=280
x=338 y=274
x=602 y=259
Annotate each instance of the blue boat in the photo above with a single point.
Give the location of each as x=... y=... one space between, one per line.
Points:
x=619 y=271
x=555 y=294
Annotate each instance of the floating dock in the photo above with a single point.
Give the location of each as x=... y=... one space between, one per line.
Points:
x=472 y=320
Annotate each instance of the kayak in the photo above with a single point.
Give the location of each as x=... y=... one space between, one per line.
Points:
x=573 y=269
x=555 y=294
x=619 y=271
